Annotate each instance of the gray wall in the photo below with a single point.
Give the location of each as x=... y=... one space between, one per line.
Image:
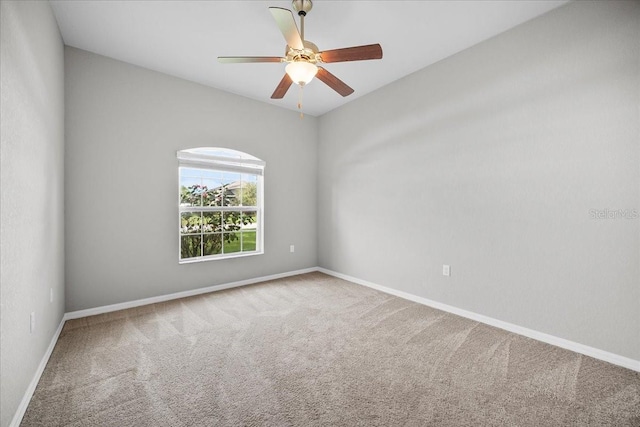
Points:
x=124 y=125
x=491 y=161
x=31 y=197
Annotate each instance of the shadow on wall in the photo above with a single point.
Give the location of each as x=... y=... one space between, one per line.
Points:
x=491 y=161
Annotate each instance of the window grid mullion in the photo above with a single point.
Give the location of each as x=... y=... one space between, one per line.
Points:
x=201 y=221
x=216 y=208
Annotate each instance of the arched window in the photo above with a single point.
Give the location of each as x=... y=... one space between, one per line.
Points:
x=220 y=204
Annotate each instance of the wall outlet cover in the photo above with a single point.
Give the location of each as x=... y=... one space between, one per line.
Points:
x=446 y=270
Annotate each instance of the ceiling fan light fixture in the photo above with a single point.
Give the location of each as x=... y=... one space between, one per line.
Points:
x=301 y=72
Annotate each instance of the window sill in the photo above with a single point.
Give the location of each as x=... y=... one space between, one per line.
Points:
x=219 y=257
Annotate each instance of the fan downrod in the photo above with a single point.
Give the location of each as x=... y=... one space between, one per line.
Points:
x=302 y=7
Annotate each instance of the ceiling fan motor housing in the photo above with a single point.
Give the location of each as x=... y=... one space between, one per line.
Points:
x=308 y=54
x=302 y=6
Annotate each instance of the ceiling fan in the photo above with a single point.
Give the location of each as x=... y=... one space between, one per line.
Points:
x=302 y=56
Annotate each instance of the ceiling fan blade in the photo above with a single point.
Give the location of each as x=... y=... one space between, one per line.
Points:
x=287 y=24
x=333 y=82
x=283 y=87
x=356 y=53
x=243 y=59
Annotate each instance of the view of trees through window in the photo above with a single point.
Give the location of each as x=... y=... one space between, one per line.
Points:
x=218 y=212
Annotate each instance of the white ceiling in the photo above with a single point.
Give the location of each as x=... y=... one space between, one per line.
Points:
x=183 y=38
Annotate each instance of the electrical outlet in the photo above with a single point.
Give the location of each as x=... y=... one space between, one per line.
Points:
x=32 y=322
x=292 y=248
x=446 y=270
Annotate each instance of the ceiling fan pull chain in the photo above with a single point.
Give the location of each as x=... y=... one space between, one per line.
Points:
x=300 y=102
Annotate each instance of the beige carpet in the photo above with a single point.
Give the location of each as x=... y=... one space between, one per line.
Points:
x=313 y=350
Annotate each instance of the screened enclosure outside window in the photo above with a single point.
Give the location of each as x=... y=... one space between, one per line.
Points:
x=220 y=204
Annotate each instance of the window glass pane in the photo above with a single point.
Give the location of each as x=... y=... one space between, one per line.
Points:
x=228 y=197
x=212 y=244
x=211 y=174
x=232 y=220
x=212 y=192
x=188 y=181
x=249 y=190
x=232 y=189
x=190 y=222
x=231 y=177
x=222 y=152
x=211 y=222
x=249 y=219
x=247 y=177
x=191 y=195
x=231 y=243
x=190 y=246
x=190 y=172
x=248 y=240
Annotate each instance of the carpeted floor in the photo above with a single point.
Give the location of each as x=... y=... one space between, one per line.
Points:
x=313 y=350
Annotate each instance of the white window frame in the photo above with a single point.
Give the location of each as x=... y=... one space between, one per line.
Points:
x=232 y=161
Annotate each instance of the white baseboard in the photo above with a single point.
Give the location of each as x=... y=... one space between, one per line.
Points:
x=162 y=298
x=596 y=353
x=24 y=403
